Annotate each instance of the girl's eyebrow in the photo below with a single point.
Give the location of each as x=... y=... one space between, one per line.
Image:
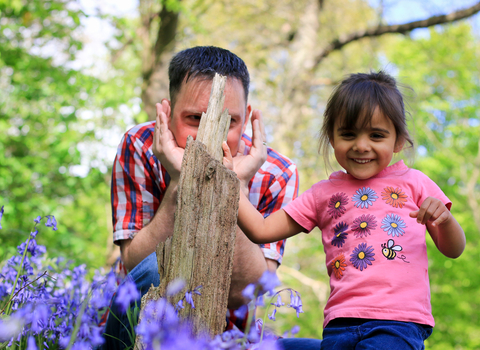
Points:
x=380 y=130
x=371 y=129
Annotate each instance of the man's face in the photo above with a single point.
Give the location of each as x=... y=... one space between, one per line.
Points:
x=192 y=100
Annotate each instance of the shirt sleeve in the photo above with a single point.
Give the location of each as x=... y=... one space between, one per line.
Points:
x=273 y=187
x=136 y=192
x=426 y=187
x=303 y=210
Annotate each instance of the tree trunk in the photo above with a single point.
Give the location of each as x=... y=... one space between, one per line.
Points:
x=201 y=249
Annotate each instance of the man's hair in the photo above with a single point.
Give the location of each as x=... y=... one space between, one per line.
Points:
x=204 y=62
x=355 y=100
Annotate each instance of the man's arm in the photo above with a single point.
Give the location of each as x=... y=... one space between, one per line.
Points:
x=158 y=230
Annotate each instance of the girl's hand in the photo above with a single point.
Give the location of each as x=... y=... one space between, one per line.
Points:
x=164 y=146
x=227 y=156
x=433 y=210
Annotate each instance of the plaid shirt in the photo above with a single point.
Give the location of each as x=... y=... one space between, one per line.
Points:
x=139 y=182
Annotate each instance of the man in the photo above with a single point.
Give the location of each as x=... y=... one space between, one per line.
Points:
x=147 y=170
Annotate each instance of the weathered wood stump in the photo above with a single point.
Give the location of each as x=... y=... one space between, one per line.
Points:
x=201 y=248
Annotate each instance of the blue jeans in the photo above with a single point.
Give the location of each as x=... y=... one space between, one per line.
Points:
x=144 y=275
x=362 y=334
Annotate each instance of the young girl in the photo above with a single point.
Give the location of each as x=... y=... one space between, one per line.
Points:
x=373 y=219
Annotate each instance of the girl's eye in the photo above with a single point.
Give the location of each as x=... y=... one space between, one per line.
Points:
x=347 y=134
x=377 y=136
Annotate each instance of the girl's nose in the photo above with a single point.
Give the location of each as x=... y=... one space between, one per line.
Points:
x=361 y=145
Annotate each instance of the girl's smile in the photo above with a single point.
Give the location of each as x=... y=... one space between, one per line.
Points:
x=366 y=150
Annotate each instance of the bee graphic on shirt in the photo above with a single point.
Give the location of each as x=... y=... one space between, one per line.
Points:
x=389 y=249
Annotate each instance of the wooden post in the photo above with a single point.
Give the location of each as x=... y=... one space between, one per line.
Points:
x=201 y=248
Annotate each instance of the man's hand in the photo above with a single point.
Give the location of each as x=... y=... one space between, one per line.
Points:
x=247 y=165
x=433 y=210
x=165 y=147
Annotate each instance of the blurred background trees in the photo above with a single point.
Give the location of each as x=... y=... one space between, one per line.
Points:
x=63 y=112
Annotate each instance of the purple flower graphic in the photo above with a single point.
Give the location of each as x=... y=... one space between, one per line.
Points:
x=340 y=234
x=363 y=224
x=336 y=205
x=393 y=225
x=364 y=197
x=362 y=256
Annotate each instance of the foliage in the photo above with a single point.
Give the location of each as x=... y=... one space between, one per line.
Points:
x=48 y=127
x=442 y=68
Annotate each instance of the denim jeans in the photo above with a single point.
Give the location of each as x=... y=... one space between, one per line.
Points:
x=144 y=275
x=362 y=334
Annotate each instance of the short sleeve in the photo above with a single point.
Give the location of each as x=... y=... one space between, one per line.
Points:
x=426 y=187
x=303 y=210
x=136 y=189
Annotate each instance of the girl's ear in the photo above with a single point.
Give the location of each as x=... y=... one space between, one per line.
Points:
x=399 y=145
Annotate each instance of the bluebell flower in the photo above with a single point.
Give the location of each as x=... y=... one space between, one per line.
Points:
x=188 y=299
x=269 y=281
x=272 y=315
x=241 y=312
x=127 y=293
x=31 y=345
x=180 y=304
x=249 y=291
x=37 y=219
x=51 y=222
x=279 y=302
x=175 y=286
x=295 y=330
x=1 y=215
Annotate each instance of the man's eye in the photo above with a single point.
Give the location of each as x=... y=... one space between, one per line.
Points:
x=195 y=117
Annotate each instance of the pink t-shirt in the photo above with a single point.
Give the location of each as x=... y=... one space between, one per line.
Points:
x=376 y=254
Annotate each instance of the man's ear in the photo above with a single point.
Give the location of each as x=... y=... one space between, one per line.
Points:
x=399 y=143
x=248 y=111
x=167 y=108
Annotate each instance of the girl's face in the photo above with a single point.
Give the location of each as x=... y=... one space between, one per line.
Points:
x=365 y=151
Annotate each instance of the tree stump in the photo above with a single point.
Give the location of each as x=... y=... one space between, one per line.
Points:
x=201 y=248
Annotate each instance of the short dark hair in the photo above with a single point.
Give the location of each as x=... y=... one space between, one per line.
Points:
x=357 y=97
x=205 y=61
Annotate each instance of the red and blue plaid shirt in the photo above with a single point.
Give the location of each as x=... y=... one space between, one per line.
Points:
x=139 y=182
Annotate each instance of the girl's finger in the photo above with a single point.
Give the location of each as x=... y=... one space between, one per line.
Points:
x=227 y=156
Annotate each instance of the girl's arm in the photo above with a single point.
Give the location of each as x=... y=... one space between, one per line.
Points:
x=445 y=231
x=279 y=225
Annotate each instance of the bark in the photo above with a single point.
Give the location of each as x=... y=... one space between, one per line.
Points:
x=202 y=246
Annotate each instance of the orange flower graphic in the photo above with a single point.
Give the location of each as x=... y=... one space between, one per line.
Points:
x=339 y=265
x=395 y=197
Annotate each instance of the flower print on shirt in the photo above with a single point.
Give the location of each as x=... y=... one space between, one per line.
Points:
x=395 y=197
x=364 y=197
x=336 y=205
x=393 y=225
x=340 y=234
x=363 y=224
x=362 y=256
x=339 y=265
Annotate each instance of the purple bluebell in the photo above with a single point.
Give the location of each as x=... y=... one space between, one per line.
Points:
x=127 y=293
x=37 y=219
x=241 y=312
x=188 y=299
x=249 y=291
x=175 y=287
x=269 y=281
x=272 y=315
x=1 y=215
x=51 y=222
